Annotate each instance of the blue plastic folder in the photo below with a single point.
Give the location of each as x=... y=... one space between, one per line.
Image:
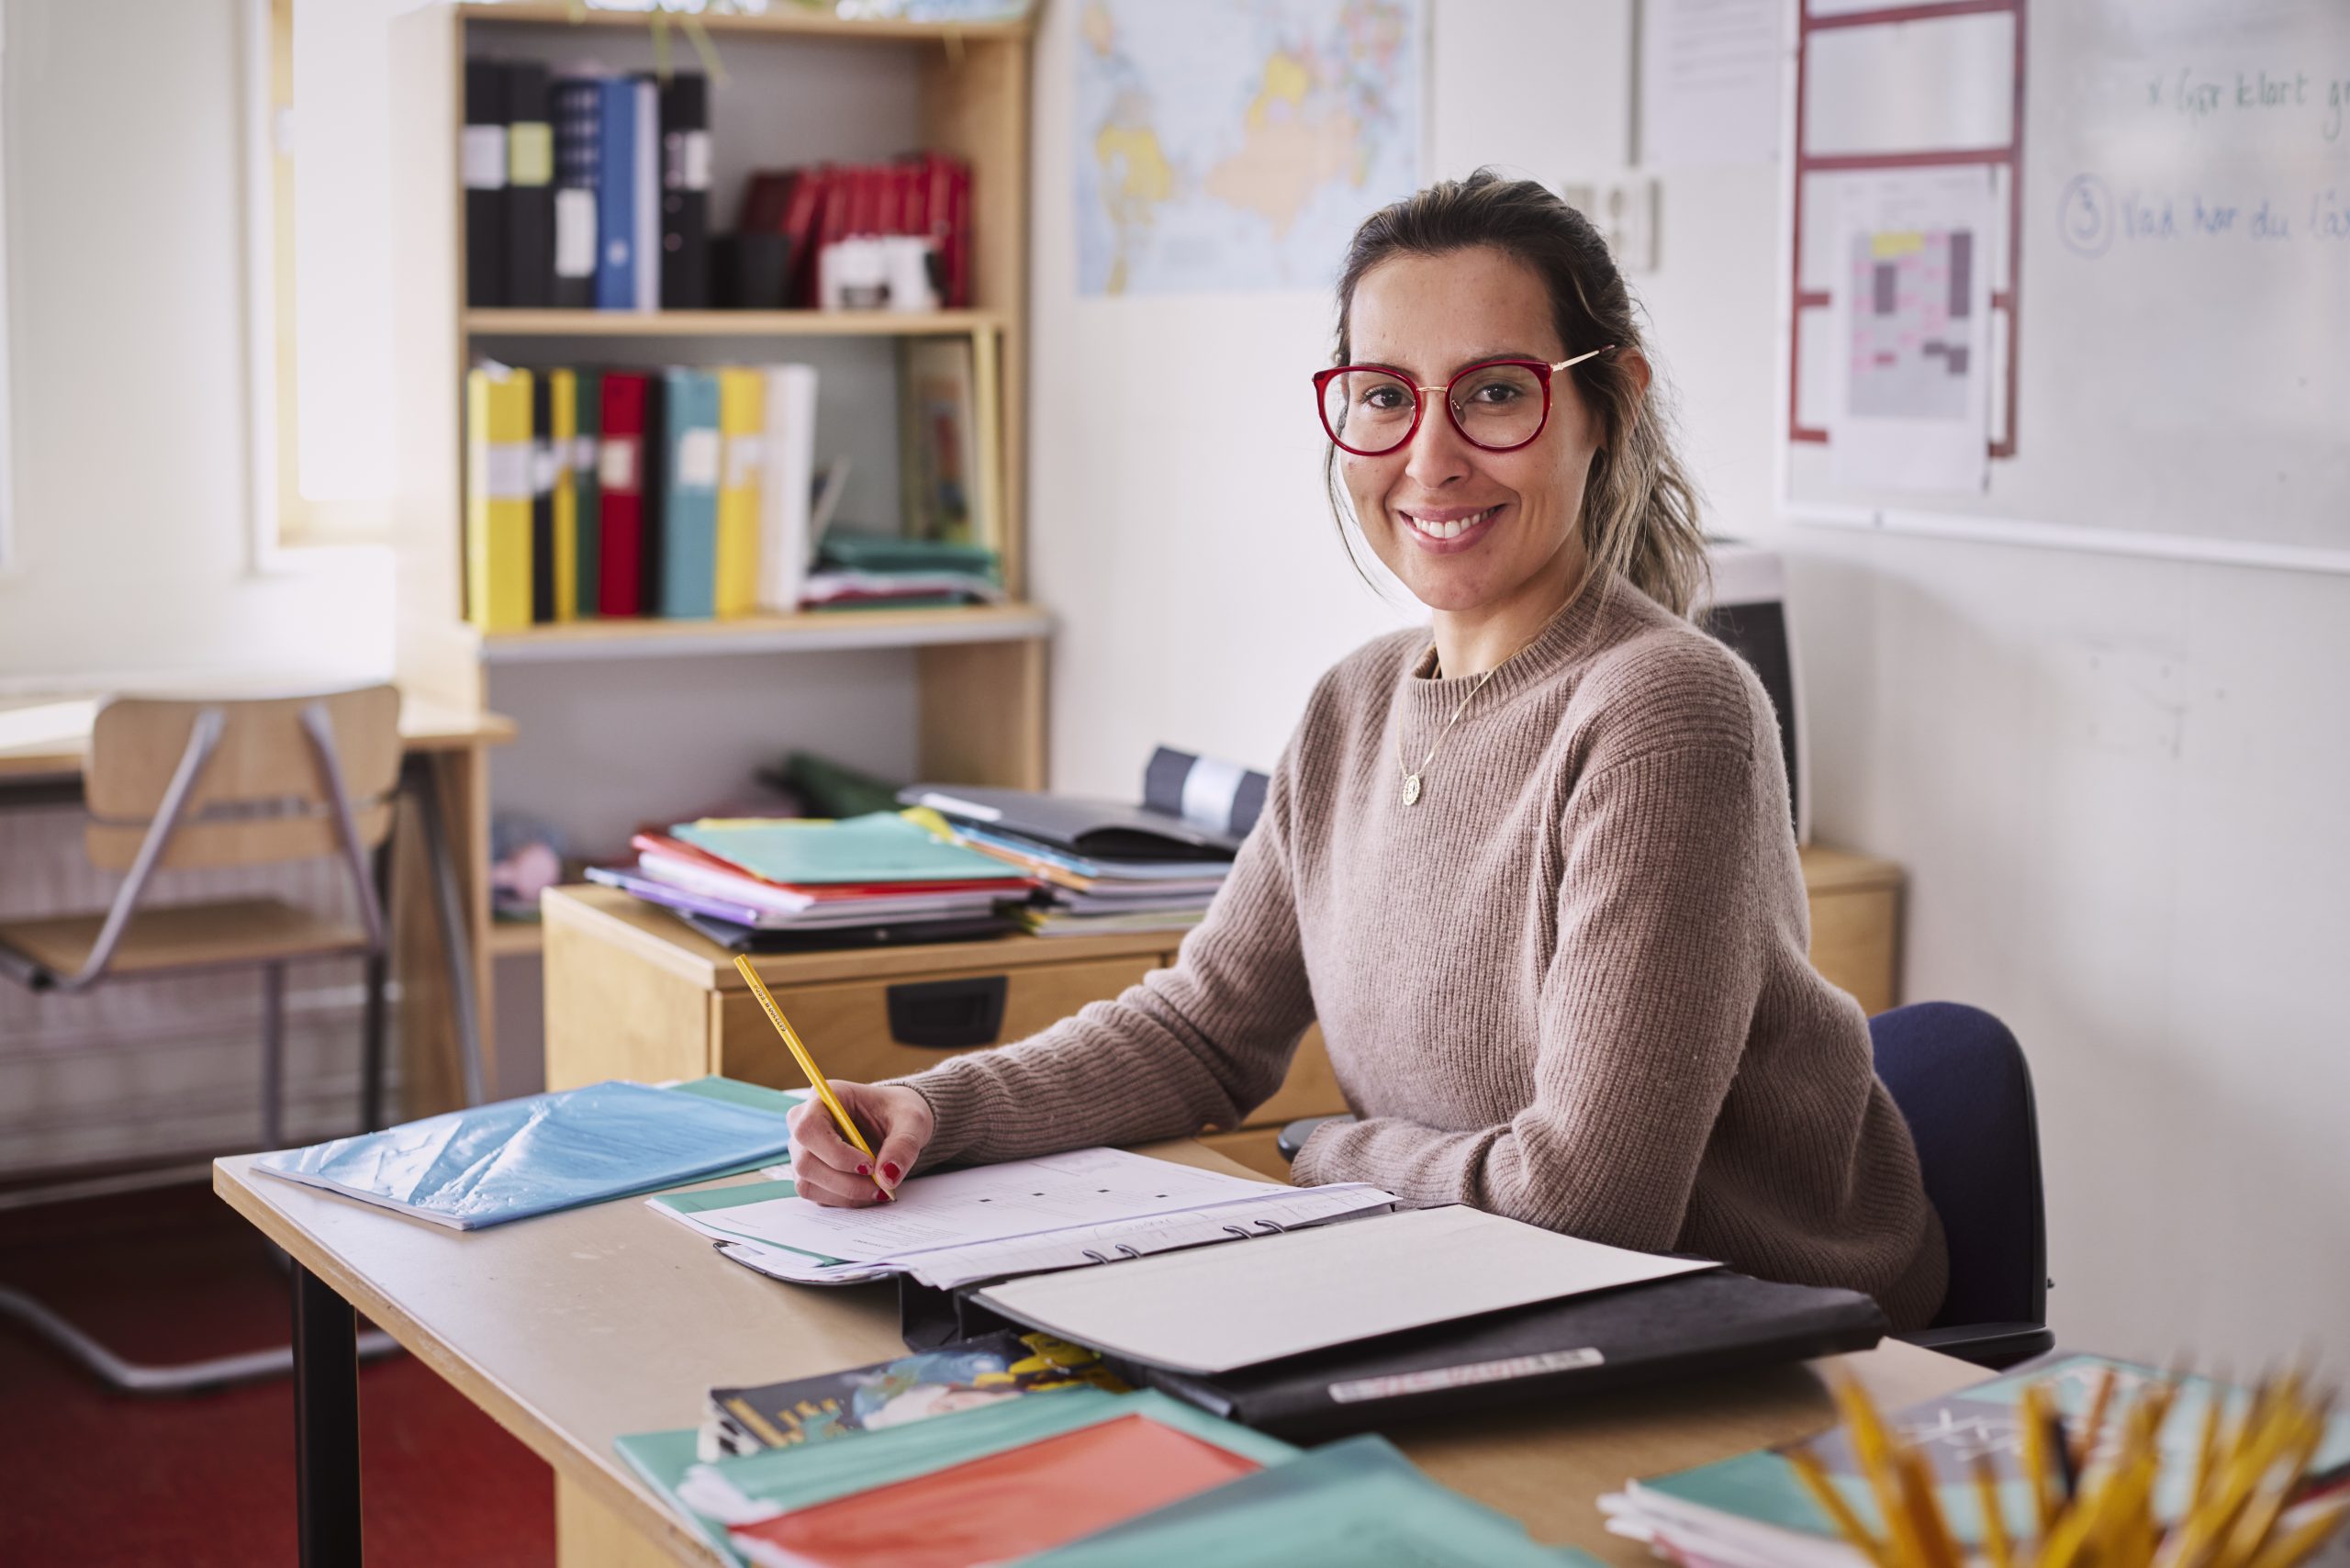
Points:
x=519 y=1158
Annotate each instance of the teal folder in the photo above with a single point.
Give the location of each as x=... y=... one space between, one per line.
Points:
x=690 y=496
x=1358 y=1502
x=880 y=847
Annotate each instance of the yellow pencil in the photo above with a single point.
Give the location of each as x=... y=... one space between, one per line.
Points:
x=815 y=1074
x=1994 y=1524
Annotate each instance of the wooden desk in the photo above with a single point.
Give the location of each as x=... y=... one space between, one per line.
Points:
x=42 y=744
x=576 y=1328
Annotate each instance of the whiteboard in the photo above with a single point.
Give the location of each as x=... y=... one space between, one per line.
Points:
x=2181 y=291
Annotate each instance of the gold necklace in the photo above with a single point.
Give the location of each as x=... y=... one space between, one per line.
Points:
x=1413 y=778
x=1412 y=775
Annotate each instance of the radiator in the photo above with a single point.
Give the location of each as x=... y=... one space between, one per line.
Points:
x=144 y=1070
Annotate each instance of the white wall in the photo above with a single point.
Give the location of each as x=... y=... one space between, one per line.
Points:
x=125 y=227
x=2115 y=783
x=126 y=194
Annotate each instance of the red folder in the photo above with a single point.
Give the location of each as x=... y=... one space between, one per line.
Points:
x=802 y=221
x=1006 y=1506
x=621 y=508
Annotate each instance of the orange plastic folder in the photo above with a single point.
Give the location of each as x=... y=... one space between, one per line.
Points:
x=1004 y=1505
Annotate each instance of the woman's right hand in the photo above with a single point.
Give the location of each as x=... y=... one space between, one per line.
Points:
x=827 y=1167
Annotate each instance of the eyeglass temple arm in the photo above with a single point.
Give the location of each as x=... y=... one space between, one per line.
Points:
x=1563 y=364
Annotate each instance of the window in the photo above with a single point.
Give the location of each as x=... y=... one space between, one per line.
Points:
x=323 y=256
x=7 y=461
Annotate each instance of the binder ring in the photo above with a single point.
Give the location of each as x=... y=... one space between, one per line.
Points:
x=1273 y=1227
x=1236 y=1230
x=1092 y=1254
x=1121 y=1246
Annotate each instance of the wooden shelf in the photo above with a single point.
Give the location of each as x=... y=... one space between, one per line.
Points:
x=807 y=632
x=514 y=938
x=493 y=323
x=785 y=17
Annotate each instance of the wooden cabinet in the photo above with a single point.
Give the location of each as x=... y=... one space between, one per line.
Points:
x=633 y=993
x=1855 y=924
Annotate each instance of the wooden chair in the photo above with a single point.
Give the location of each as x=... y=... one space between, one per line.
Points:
x=186 y=784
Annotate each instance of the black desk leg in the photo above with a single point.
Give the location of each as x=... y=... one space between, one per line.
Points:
x=325 y=1423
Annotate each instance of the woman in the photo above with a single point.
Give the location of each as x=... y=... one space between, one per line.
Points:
x=1536 y=880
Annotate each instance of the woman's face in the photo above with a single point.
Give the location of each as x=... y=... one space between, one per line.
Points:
x=1469 y=531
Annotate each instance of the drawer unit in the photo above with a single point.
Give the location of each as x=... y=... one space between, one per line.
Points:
x=633 y=993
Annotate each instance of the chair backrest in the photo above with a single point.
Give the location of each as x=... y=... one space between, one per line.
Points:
x=1960 y=1080
x=261 y=795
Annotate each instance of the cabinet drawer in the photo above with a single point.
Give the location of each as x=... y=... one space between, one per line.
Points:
x=874 y=1029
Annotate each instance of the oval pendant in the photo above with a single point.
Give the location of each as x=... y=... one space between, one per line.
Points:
x=1411 y=789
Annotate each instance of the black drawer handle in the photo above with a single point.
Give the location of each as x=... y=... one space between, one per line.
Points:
x=947 y=1016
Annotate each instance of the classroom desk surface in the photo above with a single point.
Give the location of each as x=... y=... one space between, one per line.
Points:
x=576 y=1328
x=49 y=737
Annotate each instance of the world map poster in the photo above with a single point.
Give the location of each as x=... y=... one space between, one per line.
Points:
x=1236 y=145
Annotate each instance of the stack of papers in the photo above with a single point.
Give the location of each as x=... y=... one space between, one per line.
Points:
x=1098 y=867
x=811 y=874
x=1093 y=1206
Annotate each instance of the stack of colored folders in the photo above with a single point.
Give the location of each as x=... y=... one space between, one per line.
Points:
x=1076 y=1478
x=755 y=882
x=2076 y=1461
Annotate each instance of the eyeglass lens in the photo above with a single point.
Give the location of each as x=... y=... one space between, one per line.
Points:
x=1493 y=404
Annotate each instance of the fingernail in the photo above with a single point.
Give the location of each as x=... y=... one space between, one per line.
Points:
x=890 y=1172
x=865 y=1171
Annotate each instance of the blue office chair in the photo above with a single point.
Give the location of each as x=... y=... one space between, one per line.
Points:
x=1960 y=1080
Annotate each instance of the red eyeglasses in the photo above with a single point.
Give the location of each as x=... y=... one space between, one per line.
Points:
x=1497 y=405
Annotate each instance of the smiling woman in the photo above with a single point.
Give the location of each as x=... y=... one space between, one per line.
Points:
x=1558 y=961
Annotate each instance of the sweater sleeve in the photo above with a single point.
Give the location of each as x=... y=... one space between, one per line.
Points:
x=1663 y=915
x=1188 y=1048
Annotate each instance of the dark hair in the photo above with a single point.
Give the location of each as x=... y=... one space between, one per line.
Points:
x=1639 y=511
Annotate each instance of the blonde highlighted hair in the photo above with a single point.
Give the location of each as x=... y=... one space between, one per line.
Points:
x=1639 y=511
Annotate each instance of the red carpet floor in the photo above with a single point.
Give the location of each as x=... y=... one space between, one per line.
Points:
x=92 y=1477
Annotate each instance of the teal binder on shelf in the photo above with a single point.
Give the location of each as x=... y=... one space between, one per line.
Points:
x=689 y=497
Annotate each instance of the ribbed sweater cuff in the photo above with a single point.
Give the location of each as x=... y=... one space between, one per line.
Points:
x=957 y=1109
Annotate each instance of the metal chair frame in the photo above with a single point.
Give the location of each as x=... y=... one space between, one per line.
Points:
x=204 y=739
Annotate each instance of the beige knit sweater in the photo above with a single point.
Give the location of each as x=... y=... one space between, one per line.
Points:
x=1569 y=986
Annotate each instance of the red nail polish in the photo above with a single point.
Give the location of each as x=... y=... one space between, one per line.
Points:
x=890 y=1172
x=865 y=1171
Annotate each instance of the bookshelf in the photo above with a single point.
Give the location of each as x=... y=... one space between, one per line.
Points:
x=745 y=324
x=802 y=86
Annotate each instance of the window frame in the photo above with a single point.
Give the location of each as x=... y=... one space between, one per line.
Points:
x=283 y=520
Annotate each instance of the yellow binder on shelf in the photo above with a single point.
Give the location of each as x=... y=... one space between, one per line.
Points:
x=742 y=434
x=497 y=498
x=563 y=399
